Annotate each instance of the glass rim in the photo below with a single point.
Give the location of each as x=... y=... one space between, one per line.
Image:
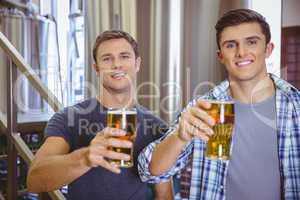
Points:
x=122 y=110
x=214 y=101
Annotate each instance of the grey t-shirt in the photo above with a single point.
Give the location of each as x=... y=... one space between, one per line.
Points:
x=253 y=171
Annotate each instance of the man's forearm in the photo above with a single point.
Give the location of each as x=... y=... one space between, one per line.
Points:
x=56 y=171
x=164 y=191
x=165 y=154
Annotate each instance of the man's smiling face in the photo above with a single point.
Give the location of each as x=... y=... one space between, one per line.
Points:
x=243 y=51
x=117 y=64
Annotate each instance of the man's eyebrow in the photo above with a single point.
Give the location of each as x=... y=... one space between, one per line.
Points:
x=253 y=37
x=105 y=55
x=228 y=41
x=125 y=53
x=122 y=53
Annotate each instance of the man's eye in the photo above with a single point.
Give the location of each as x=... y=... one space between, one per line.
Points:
x=106 y=59
x=230 y=45
x=251 y=42
x=125 y=56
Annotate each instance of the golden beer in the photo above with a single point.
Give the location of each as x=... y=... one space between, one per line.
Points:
x=124 y=119
x=218 y=146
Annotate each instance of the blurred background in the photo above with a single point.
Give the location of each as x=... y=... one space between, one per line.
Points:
x=176 y=42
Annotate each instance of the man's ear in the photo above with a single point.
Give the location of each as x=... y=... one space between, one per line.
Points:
x=138 y=64
x=269 y=49
x=95 y=66
x=220 y=56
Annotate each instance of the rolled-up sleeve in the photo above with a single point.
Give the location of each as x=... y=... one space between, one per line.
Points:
x=145 y=156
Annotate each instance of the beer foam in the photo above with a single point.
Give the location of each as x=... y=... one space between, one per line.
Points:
x=120 y=112
x=218 y=101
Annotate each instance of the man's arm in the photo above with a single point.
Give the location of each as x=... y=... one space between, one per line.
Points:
x=194 y=122
x=164 y=191
x=53 y=167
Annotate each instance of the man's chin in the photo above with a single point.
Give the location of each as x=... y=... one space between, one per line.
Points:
x=118 y=89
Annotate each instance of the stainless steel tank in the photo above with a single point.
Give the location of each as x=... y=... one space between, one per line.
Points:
x=30 y=35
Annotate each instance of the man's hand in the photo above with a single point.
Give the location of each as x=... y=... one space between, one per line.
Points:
x=195 y=122
x=98 y=152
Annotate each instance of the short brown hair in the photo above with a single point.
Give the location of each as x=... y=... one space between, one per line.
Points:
x=114 y=34
x=239 y=16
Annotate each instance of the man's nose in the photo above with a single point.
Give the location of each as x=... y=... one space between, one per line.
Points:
x=117 y=63
x=241 y=51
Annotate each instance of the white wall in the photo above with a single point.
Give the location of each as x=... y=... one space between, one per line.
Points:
x=291 y=13
x=271 y=10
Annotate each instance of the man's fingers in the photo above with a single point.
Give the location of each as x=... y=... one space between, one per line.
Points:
x=107 y=133
x=202 y=103
x=107 y=153
x=115 y=142
x=113 y=132
x=100 y=156
x=193 y=131
x=197 y=123
x=202 y=114
x=190 y=131
x=105 y=164
x=118 y=156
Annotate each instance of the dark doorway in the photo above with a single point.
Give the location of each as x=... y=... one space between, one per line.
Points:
x=290 y=54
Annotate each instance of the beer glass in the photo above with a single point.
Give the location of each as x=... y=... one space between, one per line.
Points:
x=218 y=146
x=125 y=119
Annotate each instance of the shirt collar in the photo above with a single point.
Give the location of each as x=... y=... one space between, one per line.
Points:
x=222 y=91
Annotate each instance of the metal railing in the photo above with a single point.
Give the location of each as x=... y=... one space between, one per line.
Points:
x=15 y=142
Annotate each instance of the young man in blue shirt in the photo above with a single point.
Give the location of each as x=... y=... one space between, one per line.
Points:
x=265 y=156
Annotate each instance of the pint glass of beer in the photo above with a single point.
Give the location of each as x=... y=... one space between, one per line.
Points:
x=218 y=146
x=125 y=119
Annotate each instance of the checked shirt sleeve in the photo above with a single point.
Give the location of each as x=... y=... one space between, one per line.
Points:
x=146 y=155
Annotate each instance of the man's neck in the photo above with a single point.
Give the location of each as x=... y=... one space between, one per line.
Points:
x=252 y=92
x=111 y=99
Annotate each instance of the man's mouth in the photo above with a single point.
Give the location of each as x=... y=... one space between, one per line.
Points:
x=118 y=75
x=244 y=63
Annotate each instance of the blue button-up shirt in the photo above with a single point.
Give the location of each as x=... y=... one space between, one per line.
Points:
x=209 y=176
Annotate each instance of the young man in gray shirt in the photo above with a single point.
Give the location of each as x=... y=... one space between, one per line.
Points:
x=77 y=148
x=265 y=158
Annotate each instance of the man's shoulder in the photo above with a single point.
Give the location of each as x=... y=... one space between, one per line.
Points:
x=87 y=104
x=83 y=107
x=71 y=114
x=287 y=88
